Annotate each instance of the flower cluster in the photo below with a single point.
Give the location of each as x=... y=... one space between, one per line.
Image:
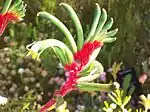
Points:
x=11 y=13
x=79 y=59
x=73 y=70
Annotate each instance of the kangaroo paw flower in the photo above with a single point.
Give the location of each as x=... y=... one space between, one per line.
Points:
x=79 y=61
x=11 y=13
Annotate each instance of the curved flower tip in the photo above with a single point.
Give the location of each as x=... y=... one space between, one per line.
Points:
x=3 y=100
x=33 y=49
x=116 y=85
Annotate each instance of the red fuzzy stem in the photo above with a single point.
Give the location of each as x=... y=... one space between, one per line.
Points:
x=48 y=105
x=81 y=59
x=5 y=19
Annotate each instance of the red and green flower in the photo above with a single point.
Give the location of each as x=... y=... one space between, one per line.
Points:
x=11 y=13
x=79 y=60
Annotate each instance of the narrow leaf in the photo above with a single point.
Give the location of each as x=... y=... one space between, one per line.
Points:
x=106 y=104
x=126 y=100
x=113 y=99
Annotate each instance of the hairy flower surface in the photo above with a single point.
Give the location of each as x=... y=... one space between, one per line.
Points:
x=84 y=54
x=5 y=19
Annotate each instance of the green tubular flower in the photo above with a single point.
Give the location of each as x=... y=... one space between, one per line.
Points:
x=62 y=27
x=99 y=30
x=38 y=47
x=85 y=86
x=76 y=21
x=97 y=14
x=19 y=8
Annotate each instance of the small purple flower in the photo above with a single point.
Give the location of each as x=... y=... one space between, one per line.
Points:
x=67 y=74
x=103 y=96
x=103 y=76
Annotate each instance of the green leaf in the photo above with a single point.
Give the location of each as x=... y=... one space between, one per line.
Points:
x=145 y=66
x=106 y=104
x=62 y=27
x=105 y=109
x=97 y=15
x=126 y=83
x=76 y=21
x=132 y=90
x=88 y=78
x=126 y=100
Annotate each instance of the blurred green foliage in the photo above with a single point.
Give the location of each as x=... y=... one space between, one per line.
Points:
x=130 y=16
x=23 y=104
